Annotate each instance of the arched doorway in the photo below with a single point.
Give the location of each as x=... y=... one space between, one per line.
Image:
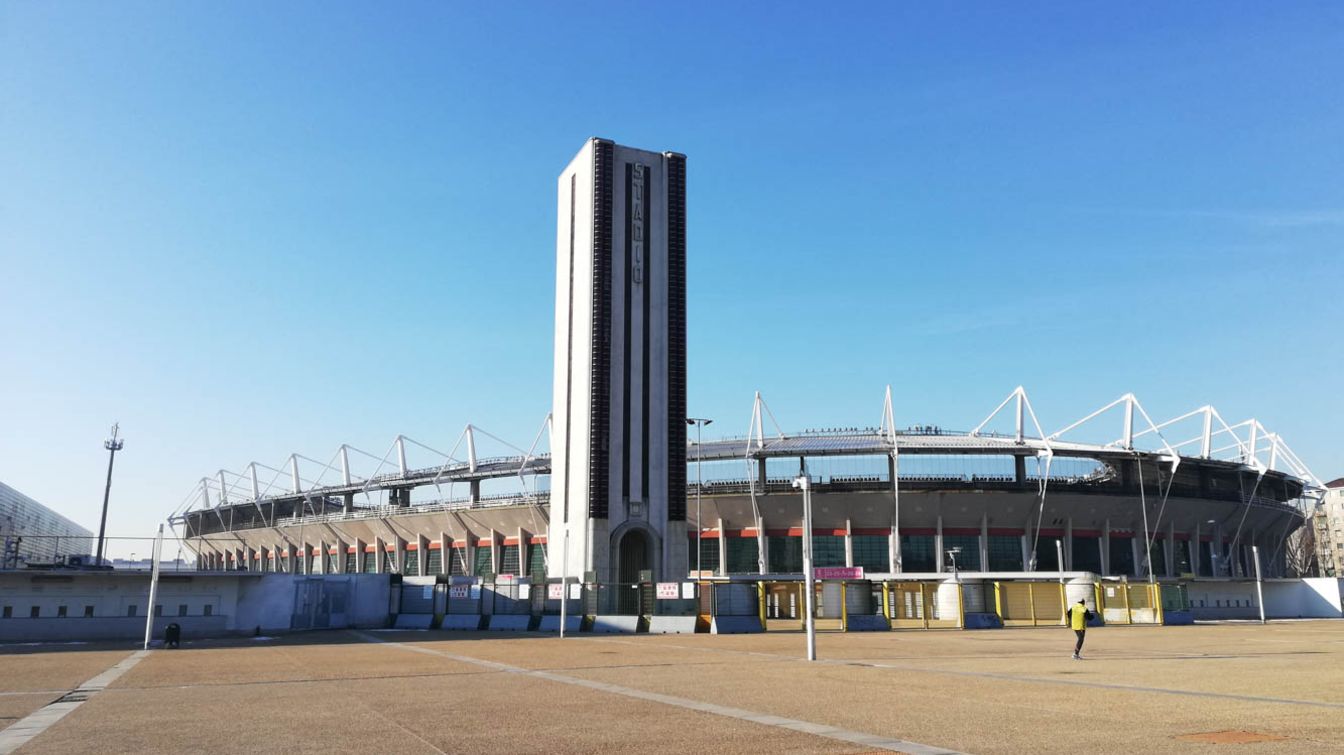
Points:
x=636 y=554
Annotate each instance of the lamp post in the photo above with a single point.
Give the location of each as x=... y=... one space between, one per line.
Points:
x=113 y=445
x=952 y=554
x=804 y=483
x=699 y=423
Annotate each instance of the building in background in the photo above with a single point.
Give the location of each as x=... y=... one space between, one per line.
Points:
x=618 y=475
x=1328 y=525
x=33 y=533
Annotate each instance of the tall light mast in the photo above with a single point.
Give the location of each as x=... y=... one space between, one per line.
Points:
x=113 y=445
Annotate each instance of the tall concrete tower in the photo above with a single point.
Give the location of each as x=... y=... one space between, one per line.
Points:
x=618 y=443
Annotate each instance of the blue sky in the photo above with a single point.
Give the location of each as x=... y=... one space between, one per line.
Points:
x=248 y=229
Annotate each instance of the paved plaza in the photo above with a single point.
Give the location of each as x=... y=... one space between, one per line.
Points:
x=1165 y=689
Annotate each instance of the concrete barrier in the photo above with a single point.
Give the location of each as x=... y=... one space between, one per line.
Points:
x=615 y=624
x=551 y=623
x=866 y=622
x=735 y=625
x=461 y=622
x=413 y=621
x=672 y=625
x=509 y=622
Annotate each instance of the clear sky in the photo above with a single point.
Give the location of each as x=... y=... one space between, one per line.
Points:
x=247 y=229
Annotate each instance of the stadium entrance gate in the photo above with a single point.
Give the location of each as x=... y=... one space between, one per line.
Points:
x=319 y=604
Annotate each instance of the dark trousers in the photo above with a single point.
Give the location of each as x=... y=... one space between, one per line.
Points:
x=1082 y=633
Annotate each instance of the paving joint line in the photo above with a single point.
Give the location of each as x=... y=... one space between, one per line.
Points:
x=805 y=727
x=20 y=732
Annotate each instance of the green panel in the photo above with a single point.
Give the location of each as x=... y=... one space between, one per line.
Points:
x=389 y=562
x=370 y=563
x=536 y=559
x=1122 y=556
x=434 y=561
x=1005 y=553
x=1159 y=558
x=508 y=560
x=412 y=564
x=482 y=560
x=1087 y=553
x=350 y=563
x=709 y=555
x=969 y=557
x=828 y=550
x=742 y=553
x=917 y=553
x=870 y=552
x=785 y=554
x=455 y=565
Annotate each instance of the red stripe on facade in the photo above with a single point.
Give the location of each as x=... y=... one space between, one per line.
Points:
x=882 y=531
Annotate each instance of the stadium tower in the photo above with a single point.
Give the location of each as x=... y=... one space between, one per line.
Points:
x=618 y=480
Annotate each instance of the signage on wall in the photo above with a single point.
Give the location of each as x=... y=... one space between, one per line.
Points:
x=669 y=591
x=555 y=591
x=457 y=591
x=838 y=572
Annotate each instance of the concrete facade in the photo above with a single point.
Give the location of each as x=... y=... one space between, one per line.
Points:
x=619 y=436
x=51 y=606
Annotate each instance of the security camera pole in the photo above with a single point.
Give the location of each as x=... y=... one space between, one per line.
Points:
x=113 y=445
x=804 y=482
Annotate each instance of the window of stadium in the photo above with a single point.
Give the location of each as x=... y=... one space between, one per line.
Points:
x=785 y=554
x=870 y=552
x=709 y=555
x=1005 y=553
x=483 y=561
x=969 y=557
x=742 y=553
x=828 y=550
x=434 y=561
x=508 y=560
x=1122 y=555
x=412 y=564
x=917 y=553
x=536 y=559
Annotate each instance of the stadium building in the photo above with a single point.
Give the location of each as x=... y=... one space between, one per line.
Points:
x=1114 y=494
x=33 y=533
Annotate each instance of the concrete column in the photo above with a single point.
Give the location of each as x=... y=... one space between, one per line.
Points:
x=1137 y=547
x=1020 y=470
x=474 y=489
x=849 y=543
x=1025 y=539
x=422 y=555
x=760 y=476
x=348 y=503
x=938 y=556
x=723 y=547
x=1106 y=547
x=1194 y=544
x=984 y=542
x=1169 y=549
x=445 y=553
x=1068 y=544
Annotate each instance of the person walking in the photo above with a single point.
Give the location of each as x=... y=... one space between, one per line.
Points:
x=1078 y=617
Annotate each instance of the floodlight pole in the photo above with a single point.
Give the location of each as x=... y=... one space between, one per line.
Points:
x=1059 y=558
x=1259 y=581
x=113 y=445
x=804 y=482
x=699 y=423
x=564 y=582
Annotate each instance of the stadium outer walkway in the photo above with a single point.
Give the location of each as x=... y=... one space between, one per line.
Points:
x=1164 y=689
